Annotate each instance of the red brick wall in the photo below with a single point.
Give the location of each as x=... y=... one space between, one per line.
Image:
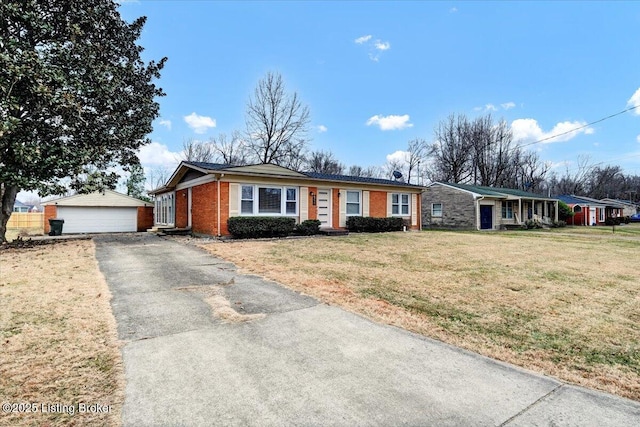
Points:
x=182 y=208
x=145 y=218
x=335 y=208
x=378 y=204
x=50 y=211
x=418 y=213
x=224 y=208
x=313 y=209
x=203 y=209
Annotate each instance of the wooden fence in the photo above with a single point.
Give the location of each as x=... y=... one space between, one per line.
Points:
x=26 y=221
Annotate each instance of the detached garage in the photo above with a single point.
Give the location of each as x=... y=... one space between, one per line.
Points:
x=100 y=212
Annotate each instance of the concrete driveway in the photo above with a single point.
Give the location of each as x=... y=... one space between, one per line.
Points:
x=205 y=345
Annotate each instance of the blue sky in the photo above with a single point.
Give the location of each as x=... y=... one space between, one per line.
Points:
x=377 y=74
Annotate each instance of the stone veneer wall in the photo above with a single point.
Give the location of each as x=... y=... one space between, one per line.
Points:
x=458 y=208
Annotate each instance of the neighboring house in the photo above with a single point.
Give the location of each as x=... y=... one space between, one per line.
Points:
x=99 y=212
x=588 y=211
x=18 y=206
x=628 y=207
x=483 y=208
x=203 y=196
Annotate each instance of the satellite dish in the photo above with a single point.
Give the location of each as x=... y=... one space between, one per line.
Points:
x=397 y=174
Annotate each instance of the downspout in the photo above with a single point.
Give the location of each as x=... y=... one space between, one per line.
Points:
x=218 y=200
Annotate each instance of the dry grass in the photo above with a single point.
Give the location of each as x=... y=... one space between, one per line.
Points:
x=58 y=336
x=563 y=304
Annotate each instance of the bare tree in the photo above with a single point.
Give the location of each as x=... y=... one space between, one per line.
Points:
x=231 y=151
x=451 y=151
x=531 y=173
x=606 y=181
x=277 y=122
x=492 y=152
x=574 y=180
x=156 y=177
x=416 y=155
x=324 y=162
x=197 y=151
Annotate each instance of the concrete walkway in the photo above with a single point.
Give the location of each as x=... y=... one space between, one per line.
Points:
x=207 y=346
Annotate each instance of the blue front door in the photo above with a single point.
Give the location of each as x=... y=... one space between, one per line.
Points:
x=486 y=217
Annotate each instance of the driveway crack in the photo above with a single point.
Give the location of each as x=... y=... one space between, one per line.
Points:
x=554 y=391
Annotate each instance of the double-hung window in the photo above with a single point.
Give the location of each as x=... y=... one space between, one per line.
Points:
x=353 y=203
x=268 y=200
x=436 y=209
x=507 y=210
x=399 y=204
x=246 y=201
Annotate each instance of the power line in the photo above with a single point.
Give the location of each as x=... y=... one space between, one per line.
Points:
x=578 y=128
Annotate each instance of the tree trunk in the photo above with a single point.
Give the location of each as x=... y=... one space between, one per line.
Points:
x=8 y=195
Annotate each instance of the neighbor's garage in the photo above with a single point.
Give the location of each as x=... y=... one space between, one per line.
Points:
x=100 y=212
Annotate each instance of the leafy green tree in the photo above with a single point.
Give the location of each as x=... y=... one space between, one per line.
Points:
x=564 y=211
x=135 y=183
x=75 y=96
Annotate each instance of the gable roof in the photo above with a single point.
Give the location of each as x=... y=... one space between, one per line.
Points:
x=19 y=204
x=106 y=198
x=584 y=201
x=271 y=170
x=495 y=192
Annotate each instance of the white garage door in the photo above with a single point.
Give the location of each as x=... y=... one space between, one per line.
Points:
x=97 y=220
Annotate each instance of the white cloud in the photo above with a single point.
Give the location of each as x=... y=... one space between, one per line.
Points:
x=321 y=128
x=156 y=154
x=634 y=101
x=380 y=45
x=166 y=123
x=363 y=39
x=528 y=130
x=490 y=107
x=638 y=139
x=390 y=122
x=453 y=10
x=508 y=105
x=398 y=156
x=199 y=124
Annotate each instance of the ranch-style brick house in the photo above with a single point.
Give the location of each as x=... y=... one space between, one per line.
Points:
x=203 y=196
x=588 y=211
x=483 y=208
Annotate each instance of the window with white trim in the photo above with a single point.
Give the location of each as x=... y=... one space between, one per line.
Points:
x=164 y=210
x=436 y=209
x=507 y=210
x=399 y=204
x=602 y=212
x=353 y=203
x=246 y=200
x=268 y=200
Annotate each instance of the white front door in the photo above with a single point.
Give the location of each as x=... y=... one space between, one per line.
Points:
x=592 y=216
x=324 y=207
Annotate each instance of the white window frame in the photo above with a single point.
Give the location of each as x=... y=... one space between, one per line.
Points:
x=400 y=204
x=165 y=209
x=359 y=203
x=256 y=200
x=433 y=211
x=507 y=206
x=602 y=212
x=252 y=199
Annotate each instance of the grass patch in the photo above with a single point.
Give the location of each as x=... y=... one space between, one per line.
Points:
x=562 y=302
x=58 y=342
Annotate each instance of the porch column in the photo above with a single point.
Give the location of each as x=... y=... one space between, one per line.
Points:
x=520 y=210
x=555 y=210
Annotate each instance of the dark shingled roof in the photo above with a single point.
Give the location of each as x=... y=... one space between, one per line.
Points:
x=349 y=178
x=313 y=175
x=210 y=166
